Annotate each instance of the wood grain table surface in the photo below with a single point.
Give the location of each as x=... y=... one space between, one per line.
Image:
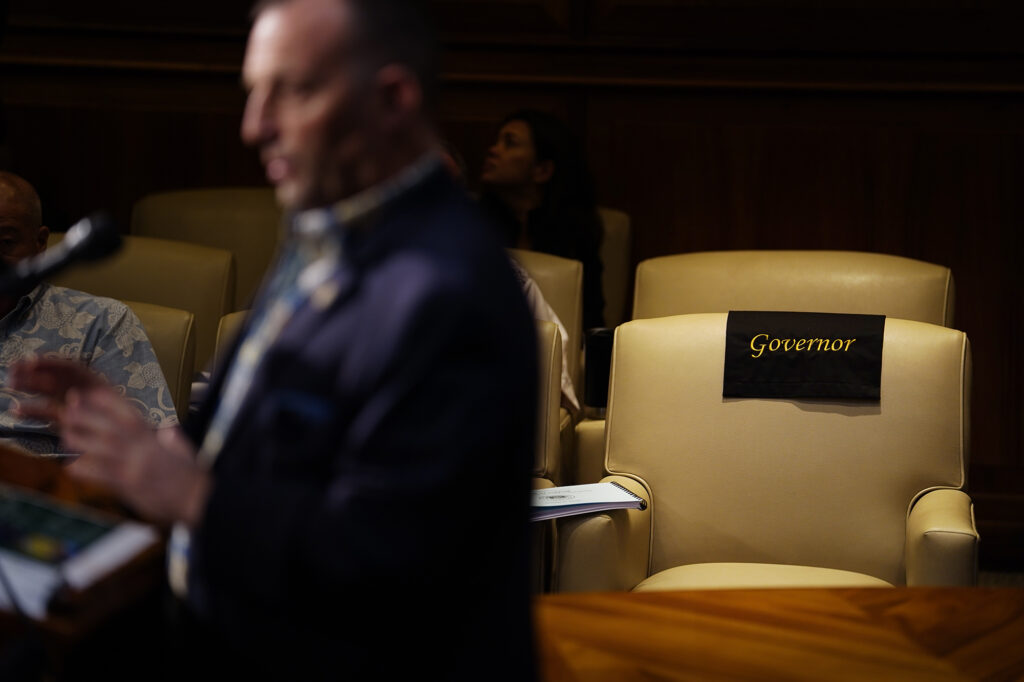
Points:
x=923 y=633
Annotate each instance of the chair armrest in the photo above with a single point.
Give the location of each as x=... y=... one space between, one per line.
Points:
x=604 y=551
x=542 y=546
x=590 y=451
x=942 y=541
x=567 y=440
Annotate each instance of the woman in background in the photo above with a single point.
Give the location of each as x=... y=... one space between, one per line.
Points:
x=539 y=306
x=536 y=186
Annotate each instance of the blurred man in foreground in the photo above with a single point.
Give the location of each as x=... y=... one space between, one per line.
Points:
x=352 y=497
x=54 y=322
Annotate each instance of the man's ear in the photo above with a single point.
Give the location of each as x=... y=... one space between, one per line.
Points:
x=399 y=94
x=42 y=237
x=542 y=171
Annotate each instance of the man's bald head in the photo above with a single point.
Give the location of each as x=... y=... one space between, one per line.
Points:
x=16 y=194
x=391 y=32
x=334 y=104
x=22 y=233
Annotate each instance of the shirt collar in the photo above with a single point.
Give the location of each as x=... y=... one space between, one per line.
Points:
x=24 y=303
x=360 y=208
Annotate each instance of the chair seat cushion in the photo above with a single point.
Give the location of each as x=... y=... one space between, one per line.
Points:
x=739 y=576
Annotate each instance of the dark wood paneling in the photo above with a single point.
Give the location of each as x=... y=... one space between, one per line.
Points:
x=97 y=138
x=508 y=20
x=164 y=17
x=877 y=26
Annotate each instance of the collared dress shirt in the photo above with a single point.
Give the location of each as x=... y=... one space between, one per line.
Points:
x=102 y=333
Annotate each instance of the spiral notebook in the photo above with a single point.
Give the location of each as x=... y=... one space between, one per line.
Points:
x=569 y=500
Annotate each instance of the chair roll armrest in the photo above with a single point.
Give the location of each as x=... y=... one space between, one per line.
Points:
x=567 y=442
x=942 y=541
x=589 y=451
x=542 y=546
x=604 y=551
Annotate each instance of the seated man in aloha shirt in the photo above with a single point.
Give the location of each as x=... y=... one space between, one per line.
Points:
x=57 y=322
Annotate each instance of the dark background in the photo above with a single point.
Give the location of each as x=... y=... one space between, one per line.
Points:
x=883 y=125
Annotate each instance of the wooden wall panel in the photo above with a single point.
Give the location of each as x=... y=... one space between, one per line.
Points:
x=506 y=20
x=100 y=139
x=167 y=17
x=873 y=26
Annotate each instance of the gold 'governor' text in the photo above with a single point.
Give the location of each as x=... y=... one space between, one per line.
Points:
x=762 y=342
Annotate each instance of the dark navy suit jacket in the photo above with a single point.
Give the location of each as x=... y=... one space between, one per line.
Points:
x=369 y=506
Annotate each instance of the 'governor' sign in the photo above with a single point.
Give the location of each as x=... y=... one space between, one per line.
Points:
x=803 y=355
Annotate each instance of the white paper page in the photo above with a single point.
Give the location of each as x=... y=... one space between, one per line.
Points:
x=587 y=493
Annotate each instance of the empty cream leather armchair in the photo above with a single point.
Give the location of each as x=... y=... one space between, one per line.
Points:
x=243 y=220
x=169 y=273
x=759 y=492
x=807 y=281
x=548 y=460
x=548 y=468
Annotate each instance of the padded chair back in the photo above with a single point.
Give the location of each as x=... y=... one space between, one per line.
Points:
x=809 y=281
x=172 y=334
x=243 y=220
x=190 y=277
x=808 y=482
x=561 y=282
x=547 y=463
x=616 y=255
x=547 y=467
x=226 y=331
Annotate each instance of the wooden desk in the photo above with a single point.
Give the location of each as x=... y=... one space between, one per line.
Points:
x=787 y=634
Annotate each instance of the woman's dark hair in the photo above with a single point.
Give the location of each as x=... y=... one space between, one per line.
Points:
x=566 y=222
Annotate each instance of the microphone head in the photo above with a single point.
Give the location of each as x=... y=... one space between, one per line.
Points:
x=89 y=239
x=93 y=237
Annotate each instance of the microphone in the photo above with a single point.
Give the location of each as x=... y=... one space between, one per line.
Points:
x=91 y=238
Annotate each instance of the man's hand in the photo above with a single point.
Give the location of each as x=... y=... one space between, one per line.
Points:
x=51 y=378
x=154 y=472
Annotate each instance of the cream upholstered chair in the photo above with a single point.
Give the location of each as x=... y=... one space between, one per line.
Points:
x=807 y=281
x=190 y=277
x=804 y=281
x=548 y=461
x=243 y=220
x=171 y=333
x=616 y=254
x=548 y=468
x=542 y=547
x=227 y=328
x=756 y=492
x=561 y=282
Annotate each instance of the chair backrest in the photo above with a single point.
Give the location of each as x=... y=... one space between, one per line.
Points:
x=808 y=482
x=226 y=331
x=547 y=462
x=809 y=281
x=616 y=261
x=561 y=282
x=171 y=333
x=190 y=277
x=243 y=220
